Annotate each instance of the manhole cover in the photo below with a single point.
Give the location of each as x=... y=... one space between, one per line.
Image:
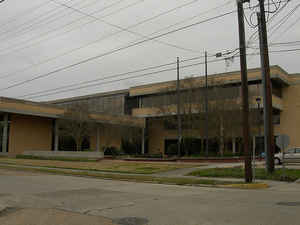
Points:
x=131 y=221
x=289 y=203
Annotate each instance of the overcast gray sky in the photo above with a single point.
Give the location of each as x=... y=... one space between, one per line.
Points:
x=41 y=36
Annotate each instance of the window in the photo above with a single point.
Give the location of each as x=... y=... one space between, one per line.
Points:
x=276 y=117
x=297 y=150
x=290 y=151
x=276 y=89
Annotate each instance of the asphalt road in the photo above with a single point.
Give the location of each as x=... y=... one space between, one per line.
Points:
x=39 y=199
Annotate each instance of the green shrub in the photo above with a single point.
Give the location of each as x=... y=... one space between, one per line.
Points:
x=154 y=156
x=112 y=151
x=172 y=149
x=131 y=148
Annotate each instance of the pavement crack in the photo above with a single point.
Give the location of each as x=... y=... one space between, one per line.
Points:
x=108 y=208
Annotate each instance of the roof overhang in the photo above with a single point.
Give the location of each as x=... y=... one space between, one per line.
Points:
x=22 y=107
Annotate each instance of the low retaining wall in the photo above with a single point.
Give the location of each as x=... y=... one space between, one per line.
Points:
x=63 y=154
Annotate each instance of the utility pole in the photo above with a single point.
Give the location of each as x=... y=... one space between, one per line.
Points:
x=267 y=89
x=206 y=107
x=245 y=100
x=178 y=110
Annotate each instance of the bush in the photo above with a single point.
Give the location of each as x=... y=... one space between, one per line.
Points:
x=111 y=151
x=191 y=146
x=172 y=149
x=131 y=148
x=150 y=156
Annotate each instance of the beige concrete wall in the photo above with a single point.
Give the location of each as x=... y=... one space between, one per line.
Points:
x=158 y=134
x=290 y=116
x=110 y=136
x=225 y=78
x=29 y=133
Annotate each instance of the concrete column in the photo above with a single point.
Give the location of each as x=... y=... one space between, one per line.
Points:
x=140 y=102
x=143 y=140
x=98 y=139
x=56 y=135
x=5 y=133
x=254 y=144
x=234 y=145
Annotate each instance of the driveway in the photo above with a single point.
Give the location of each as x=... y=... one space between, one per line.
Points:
x=36 y=198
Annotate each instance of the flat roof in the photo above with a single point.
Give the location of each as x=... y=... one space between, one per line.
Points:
x=85 y=97
x=277 y=73
x=16 y=106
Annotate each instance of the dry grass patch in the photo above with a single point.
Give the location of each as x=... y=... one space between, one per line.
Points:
x=104 y=165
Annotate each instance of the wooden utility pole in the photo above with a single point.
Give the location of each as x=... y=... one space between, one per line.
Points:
x=245 y=100
x=178 y=111
x=206 y=107
x=267 y=88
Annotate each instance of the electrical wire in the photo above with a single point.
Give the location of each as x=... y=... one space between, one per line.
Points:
x=8 y=75
x=34 y=21
x=125 y=29
x=13 y=48
x=113 y=76
x=126 y=78
x=37 y=77
x=22 y=14
x=39 y=94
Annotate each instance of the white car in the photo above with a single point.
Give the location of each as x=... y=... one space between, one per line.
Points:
x=291 y=155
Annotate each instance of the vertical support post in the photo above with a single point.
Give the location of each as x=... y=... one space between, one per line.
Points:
x=265 y=64
x=233 y=145
x=245 y=100
x=5 y=134
x=178 y=110
x=143 y=140
x=140 y=102
x=206 y=107
x=253 y=157
x=98 y=139
x=56 y=135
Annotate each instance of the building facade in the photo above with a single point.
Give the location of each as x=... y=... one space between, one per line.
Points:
x=153 y=108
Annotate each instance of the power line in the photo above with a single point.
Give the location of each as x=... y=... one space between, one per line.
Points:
x=116 y=50
x=35 y=20
x=283 y=21
x=125 y=29
x=289 y=27
x=126 y=78
x=28 y=11
x=113 y=76
x=72 y=86
x=12 y=48
x=103 y=38
x=254 y=36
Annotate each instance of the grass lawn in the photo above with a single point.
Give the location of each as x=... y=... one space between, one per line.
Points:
x=103 y=166
x=142 y=178
x=238 y=172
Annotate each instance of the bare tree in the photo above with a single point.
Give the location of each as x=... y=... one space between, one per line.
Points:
x=77 y=123
x=131 y=139
x=224 y=108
